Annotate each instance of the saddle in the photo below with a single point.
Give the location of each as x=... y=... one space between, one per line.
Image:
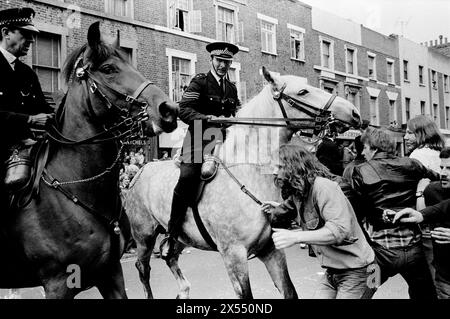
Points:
x=24 y=171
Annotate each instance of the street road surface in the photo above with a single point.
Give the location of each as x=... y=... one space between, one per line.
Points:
x=209 y=280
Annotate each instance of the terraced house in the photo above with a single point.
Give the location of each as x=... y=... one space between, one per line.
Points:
x=166 y=39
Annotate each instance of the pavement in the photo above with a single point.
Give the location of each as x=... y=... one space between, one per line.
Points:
x=209 y=280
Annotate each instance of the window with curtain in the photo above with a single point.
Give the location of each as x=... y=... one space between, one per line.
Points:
x=390 y=72
x=46 y=60
x=180 y=77
x=268 y=40
x=408 y=108
x=226 y=25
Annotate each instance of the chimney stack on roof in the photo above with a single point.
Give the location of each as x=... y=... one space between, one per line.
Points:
x=440 y=39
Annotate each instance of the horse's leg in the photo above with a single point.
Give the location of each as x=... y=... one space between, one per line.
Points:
x=112 y=284
x=235 y=259
x=275 y=262
x=57 y=288
x=172 y=263
x=144 y=247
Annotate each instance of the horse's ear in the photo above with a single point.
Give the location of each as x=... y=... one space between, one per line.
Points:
x=94 y=36
x=116 y=43
x=267 y=75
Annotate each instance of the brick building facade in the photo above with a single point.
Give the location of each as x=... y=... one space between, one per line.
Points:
x=166 y=40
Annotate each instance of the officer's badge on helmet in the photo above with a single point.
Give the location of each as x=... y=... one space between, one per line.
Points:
x=21 y=18
x=222 y=50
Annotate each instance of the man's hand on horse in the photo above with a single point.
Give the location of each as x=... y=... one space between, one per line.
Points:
x=268 y=206
x=40 y=121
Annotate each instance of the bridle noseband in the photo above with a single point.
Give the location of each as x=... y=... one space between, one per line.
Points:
x=319 y=117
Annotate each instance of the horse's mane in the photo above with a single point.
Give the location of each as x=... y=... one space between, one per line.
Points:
x=103 y=51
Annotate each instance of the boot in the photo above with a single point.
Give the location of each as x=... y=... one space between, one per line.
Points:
x=177 y=215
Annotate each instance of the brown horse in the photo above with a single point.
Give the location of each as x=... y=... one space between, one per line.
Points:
x=233 y=220
x=70 y=237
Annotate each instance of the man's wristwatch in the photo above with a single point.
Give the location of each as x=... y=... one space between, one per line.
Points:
x=419 y=194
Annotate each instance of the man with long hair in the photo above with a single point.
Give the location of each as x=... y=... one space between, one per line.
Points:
x=328 y=221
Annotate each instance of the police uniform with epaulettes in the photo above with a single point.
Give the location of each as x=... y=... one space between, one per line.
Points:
x=208 y=95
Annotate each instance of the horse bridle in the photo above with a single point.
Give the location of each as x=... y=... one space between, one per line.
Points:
x=319 y=116
x=131 y=123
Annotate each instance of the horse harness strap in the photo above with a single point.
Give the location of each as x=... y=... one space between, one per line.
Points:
x=202 y=228
x=54 y=183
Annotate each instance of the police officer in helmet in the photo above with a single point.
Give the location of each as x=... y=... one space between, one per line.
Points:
x=22 y=103
x=209 y=96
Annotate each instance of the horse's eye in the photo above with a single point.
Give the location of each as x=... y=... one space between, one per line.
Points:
x=303 y=92
x=107 y=68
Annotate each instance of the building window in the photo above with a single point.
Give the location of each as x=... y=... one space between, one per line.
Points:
x=181 y=70
x=297 y=43
x=447 y=117
x=420 y=74
x=405 y=70
x=234 y=77
x=433 y=80
x=46 y=60
x=422 y=107
x=446 y=83
x=372 y=66
x=181 y=16
x=327 y=52
x=435 y=113
x=408 y=108
x=268 y=34
x=393 y=113
x=350 y=56
x=226 y=25
x=374 y=111
x=390 y=71
x=121 y=8
x=353 y=96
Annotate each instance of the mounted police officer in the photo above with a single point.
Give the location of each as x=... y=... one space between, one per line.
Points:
x=22 y=103
x=209 y=96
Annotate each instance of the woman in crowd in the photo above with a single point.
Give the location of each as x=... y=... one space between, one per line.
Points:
x=424 y=141
x=328 y=221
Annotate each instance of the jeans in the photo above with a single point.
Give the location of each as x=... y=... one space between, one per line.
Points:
x=442 y=286
x=345 y=284
x=410 y=262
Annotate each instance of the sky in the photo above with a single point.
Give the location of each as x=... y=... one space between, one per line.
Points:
x=417 y=20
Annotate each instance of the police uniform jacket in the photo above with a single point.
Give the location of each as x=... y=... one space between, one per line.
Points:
x=204 y=97
x=20 y=96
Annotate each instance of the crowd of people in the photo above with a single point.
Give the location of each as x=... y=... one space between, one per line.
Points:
x=366 y=223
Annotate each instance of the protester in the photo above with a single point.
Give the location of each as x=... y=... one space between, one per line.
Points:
x=388 y=182
x=328 y=221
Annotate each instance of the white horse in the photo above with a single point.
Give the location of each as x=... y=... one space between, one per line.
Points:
x=233 y=220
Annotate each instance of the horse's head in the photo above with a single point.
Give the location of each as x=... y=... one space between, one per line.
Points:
x=118 y=92
x=300 y=100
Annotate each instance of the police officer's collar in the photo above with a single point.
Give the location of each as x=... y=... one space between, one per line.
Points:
x=8 y=56
x=217 y=77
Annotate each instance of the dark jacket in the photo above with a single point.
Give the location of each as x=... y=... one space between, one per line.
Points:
x=20 y=96
x=437 y=212
x=388 y=182
x=204 y=97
